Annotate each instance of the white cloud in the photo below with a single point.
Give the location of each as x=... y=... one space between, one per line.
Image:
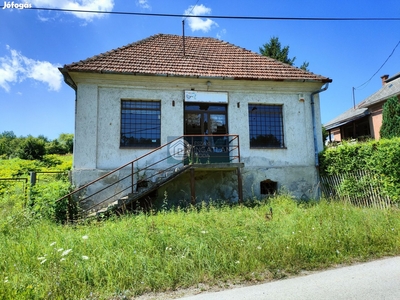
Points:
x=143 y=4
x=221 y=33
x=97 y=5
x=16 y=68
x=196 y=23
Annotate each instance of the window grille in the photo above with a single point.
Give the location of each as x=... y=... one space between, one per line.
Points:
x=140 y=124
x=266 y=126
x=268 y=187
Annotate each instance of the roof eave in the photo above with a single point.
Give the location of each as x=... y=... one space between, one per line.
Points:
x=322 y=80
x=67 y=78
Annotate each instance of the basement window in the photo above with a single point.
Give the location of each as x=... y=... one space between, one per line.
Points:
x=268 y=187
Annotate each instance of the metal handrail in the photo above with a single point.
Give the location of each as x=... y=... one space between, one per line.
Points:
x=231 y=138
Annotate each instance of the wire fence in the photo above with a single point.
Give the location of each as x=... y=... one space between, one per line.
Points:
x=361 y=188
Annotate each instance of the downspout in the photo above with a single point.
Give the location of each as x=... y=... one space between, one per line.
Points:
x=323 y=89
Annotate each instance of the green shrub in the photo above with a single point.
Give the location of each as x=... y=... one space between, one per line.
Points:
x=31 y=148
x=43 y=201
x=381 y=157
x=391 y=119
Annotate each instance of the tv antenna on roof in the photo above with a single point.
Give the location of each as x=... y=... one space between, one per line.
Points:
x=183 y=27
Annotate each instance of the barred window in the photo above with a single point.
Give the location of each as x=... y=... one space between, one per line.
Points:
x=266 y=126
x=140 y=124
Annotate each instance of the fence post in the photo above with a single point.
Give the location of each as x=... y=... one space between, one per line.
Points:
x=33 y=178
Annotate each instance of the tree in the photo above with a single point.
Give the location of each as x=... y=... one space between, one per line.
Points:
x=8 y=144
x=325 y=134
x=31 y=148
x=67 y=140
x=274 y=50
x=390 y=119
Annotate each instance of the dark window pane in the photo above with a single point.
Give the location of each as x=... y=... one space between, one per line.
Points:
x=266 y=126
x=140 y=123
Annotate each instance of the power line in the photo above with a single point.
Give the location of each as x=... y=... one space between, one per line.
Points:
x=192 y=9
x=212 y=17
x=394 y=49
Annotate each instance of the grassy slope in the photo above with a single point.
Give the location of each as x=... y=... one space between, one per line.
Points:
x=136 y=254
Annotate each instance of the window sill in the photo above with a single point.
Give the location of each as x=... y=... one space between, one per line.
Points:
x=268 y=148
x=137 y=148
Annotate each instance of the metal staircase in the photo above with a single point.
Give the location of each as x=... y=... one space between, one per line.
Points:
x=123 y=187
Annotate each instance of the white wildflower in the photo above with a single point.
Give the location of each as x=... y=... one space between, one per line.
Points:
x=259 y=247
x=65 y=252
x=204 y=231
x=237 y=262
x=85 y=237
x=62 y=259
x=84 y=257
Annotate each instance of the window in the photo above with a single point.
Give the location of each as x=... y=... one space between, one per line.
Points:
x=268 y=187
x=266 y=126
x=140 y=124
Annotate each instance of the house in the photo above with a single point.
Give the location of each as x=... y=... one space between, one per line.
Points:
x=365 y=119
x=236 y=124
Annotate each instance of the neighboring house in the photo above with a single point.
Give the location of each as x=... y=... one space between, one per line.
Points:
x=134 y=99
x=365 y=119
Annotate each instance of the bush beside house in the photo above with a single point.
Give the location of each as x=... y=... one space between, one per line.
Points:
x=380 y=157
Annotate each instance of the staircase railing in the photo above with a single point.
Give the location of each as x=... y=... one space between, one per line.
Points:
x=154 y=166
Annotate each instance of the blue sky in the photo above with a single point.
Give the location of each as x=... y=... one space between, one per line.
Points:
x=35 y=100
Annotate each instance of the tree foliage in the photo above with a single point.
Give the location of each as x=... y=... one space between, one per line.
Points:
x=275 y=50
x=391 y=119
x=33 y=147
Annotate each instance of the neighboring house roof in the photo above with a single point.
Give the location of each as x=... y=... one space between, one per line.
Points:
x=389 y=89
x=163 y=54
x=347 y=117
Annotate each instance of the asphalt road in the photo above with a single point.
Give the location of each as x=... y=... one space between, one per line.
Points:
x=376 y=280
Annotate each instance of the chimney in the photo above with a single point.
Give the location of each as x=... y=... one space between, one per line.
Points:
x=384 y=78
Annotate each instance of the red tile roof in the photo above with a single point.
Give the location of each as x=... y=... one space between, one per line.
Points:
x=163 y=54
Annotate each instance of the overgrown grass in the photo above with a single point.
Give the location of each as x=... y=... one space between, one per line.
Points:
x=135 y=254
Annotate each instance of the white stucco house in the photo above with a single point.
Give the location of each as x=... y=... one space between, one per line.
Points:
x=242 y=120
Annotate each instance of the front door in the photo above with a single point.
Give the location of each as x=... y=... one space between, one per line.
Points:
x=207 y=120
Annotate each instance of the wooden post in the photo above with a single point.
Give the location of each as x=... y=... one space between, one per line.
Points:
x=240 y=185
x=192 y=186
x=132 y=178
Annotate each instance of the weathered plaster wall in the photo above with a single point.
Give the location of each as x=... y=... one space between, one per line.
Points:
x=99 y=114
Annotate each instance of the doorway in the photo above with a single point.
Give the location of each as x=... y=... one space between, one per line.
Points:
x=209 y=122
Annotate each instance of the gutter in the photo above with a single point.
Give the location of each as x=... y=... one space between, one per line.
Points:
x=323 y=89
x=67 y=78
